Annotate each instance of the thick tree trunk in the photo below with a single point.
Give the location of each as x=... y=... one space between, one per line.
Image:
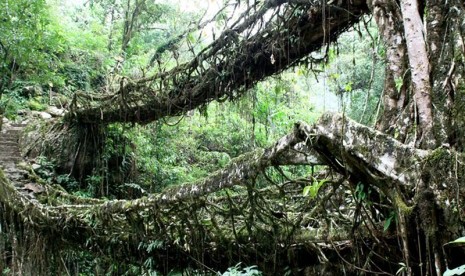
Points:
x=131 y=18
x=396 y=118
x=423 y=71
x=422 y=111
x=419 y=70
x=445 y=39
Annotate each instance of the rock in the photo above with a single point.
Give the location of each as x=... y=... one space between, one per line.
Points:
x=41 y=114
x=45 y=115
x=22 y=112
x=36 y=166
x=31 y=91
x=36 y=189
x=55 y=111
x=5 y=120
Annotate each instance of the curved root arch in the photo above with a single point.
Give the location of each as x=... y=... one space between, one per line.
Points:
x=263 y=41
x=227 y=215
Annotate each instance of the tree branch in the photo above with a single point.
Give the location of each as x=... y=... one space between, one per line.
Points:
x=230 y=65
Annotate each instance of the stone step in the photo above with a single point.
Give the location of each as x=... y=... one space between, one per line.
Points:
x=14 y=153
x=6 y=159
x=7 y=164
x=13 y=169
x=9 y=136
x=10 y=127
x=11 y=131
x=18 y=125
x=17 y=176
x=12 y=142
x=8 y=146
x=10 y=156
x=8 y=150
x=9 y=159
x=13 y=139
x=9 y=141
x=15 y=125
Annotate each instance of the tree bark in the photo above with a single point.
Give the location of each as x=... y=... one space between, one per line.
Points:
x=131 y=16
x=420 y=70
x=396 y=118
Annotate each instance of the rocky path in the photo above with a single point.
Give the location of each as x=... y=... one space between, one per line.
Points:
x=10 y=157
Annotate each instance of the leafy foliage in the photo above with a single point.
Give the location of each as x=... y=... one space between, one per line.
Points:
x=238 y=271
x=312 y=190
x=30 y=44
x=356 y=72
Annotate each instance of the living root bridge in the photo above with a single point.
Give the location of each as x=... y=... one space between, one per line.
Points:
x=265 y=40
x=225 y=212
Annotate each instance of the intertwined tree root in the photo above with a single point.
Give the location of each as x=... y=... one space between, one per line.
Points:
x=227 y=216
x=266 y=39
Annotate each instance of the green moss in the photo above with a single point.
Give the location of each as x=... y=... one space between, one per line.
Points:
x=248 y=156
x=440 y=162
x=35 y=104
x=401 y=206
x=438 y=155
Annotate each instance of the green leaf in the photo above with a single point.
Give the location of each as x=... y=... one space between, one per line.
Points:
x=387 y=223
x=459 y=241
x=399 y=82
x=207 y=222
x=402 y=268
x=312 y=190
x=300 y=72
x=456 y=271
x=334 y=76
x=306 y=190
x=348 y=86
x=191 y=38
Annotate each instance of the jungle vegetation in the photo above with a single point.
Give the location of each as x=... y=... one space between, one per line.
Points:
x=237 y=137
